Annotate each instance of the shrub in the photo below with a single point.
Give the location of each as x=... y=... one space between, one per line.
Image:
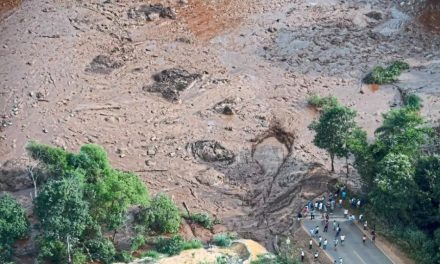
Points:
x=380 y=75
x=138 y=241
x=202 y=219
x=124 y=256
x=101 y=249
x=151 y=254
x=162 y=216
x=320 y=102
x=13 y=225
x=222 y=240
x=79 y=258
x=192 y=244
x=170 y=246
x=413 y=101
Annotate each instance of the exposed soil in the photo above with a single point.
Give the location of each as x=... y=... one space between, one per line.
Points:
x=78 y=72
x=430 y=16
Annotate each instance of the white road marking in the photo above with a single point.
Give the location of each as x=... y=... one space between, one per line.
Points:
x=357 y=255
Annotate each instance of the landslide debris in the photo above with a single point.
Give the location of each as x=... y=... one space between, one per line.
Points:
x=171 y=82
x=211 y=151
x=151 y=12
x=102 y=64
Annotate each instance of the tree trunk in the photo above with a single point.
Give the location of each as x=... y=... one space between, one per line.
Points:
x=332 y=158
x=34 y=180
x=346 y=164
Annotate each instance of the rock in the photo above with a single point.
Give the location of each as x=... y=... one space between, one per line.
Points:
x=102 y=64
x=170 y=83
x=374 y=15
x=211 y=151
x=45 y=130
x=151 y=151
x=227 y=110
x=153 y=16
x=150 y=163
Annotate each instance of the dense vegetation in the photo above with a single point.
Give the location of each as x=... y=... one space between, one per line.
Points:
x=400 y=170
x=13 y=225
x=380 y=75
x=81 y=202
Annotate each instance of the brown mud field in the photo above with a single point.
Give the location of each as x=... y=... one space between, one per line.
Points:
x=206 y=100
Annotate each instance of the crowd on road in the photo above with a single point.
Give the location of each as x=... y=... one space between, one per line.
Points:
x=325 y=206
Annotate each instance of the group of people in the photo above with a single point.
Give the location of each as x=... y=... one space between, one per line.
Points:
x=325 y=206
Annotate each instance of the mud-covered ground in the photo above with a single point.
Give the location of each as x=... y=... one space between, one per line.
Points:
x=225 y=128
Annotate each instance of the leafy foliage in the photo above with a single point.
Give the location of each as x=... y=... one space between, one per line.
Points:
x=333 y=131
x=13 y=225
x=61 y=209
x=151 y=254
x=82 y=196
x=413 y=101
x=162 y=216
x=380 y=75
x=394 y=193
x=321 y=102
x=192 y=244
x=202 y=219
x=170 y=246
x=222 y=240
x=138 y=241
x=101 y=249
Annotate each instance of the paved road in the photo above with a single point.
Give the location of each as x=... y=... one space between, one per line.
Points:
x=353 y=251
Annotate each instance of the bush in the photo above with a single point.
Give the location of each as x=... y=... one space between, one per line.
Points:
x=413 y=101
x=192 y=244
x=320 y=102
x=13 y=225
x=101 y=249
x=79 y=258
x=202 y=219
x=170 y=246
x=124 y=256
x=138 y=241
x=222 y=240
x=151 y=254
x=51 y=249
x=162 y=216
x=380 y=75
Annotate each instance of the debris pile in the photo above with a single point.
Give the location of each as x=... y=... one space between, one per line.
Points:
x=171 y=82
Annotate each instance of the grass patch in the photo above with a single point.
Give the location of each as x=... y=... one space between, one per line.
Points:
x=202 y=219
x=223 y=239
x=321 y=102
x=381 y=75
x=151 y=254
x=192 y=244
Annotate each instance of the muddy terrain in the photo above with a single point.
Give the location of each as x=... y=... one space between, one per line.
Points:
x=206 y=99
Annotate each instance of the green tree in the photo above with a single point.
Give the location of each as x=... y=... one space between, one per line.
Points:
x=403 y=131
x=333 y=130
x=162 y=216
x=63 y=215
x=13 y=225
x=395 y=192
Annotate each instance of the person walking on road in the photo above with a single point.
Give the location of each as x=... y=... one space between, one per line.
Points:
x=320 y=241
x=334 y=225
x=302 y=255
x=310 y=244
x=316 y=255
x=324 y=245
x=326 y=226
x=364 y=238
x=336 y=243
x=365 y=225
x=317 y=231
x=373 y=235
x=342 y=239
x=340 y=260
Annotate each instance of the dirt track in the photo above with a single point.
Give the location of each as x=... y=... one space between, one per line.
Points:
x=267 y=57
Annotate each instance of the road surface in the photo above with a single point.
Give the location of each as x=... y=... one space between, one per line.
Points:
x=353 y=251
